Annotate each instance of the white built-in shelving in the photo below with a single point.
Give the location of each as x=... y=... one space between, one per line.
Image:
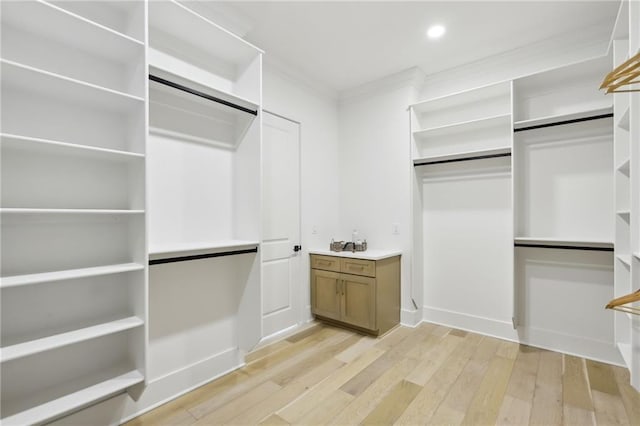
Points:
x=37 y=33
x=73 y=207
x=69 y=274
x=561 y=118
x=478 y=119
x=564 y=167
x=545 y=214
x=204 y=153
x=624 y=258
x=66 y=404
x=204 y=63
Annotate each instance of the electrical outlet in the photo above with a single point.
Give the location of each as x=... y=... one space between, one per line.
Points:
x=395 y=228
x=314 y=230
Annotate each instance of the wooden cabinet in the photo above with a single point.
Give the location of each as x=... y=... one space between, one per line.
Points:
x=361 y=293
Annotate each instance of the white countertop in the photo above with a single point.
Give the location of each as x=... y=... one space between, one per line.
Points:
x=371 y=254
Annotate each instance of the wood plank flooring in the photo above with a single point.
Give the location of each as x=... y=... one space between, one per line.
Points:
x=427 y=375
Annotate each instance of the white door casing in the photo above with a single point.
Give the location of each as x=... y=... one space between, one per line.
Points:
x=281 y=279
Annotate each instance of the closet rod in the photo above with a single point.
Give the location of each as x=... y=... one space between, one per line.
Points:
x=550 y=246
x=201 y=94
x=455 y=160
x=560 y=123
x=201 y=256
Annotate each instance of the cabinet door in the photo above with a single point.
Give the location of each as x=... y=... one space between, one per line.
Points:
x=358 y=300
x=325 y=294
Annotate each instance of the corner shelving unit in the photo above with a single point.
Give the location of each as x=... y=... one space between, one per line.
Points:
x=73 y=285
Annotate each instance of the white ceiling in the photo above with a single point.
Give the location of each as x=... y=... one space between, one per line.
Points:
x=345 y=44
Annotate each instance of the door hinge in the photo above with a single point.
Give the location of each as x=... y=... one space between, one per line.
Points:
x=297 y=248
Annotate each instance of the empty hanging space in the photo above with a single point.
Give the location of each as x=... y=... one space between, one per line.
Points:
x=559 y=298
x=564 y=182
x=466 y=250
x=471 y=123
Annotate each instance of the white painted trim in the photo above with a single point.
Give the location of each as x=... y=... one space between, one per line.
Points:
x=410 y=318
x=121 y=408
x=163 y=389
x=413 y=77
x=486 y=326
x=280 y=67
x=597 y=350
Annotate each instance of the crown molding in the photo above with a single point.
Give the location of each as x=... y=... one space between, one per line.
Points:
x=547 y=54
x=409 y=78
x=273 y=63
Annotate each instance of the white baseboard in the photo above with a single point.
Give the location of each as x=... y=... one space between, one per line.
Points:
x=122 y=408
x=573 y=345
x=410 y=318
x=545 y=339
x=487 y=326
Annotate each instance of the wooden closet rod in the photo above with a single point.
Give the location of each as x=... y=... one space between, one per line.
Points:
x=201 y=94
x=560 y=123
x=551 y=246
x=618 y=303
x=201 y=256
x=455 y=160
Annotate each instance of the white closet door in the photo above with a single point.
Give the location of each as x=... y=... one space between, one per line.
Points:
x=281 y=280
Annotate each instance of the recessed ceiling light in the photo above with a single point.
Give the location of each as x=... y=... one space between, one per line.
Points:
x=435 y=31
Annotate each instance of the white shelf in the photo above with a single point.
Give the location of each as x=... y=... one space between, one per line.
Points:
x=203 y=35
x=462 y=156
x=64 y=339
x=185 y=116
x=625 y=351
x=70 y=211
x=82 y=398
x=52 y=22
x=38 y=145
x=475 y=95
x=539 y=121
x=170 y=68
x=624 y=258
x=557 y=242
x=70 y=274
x=625 y=214
x=203 y=248
x=624 y=167
x=465 y=126
x=636 y=255
x=623 y=121
x=26 y=78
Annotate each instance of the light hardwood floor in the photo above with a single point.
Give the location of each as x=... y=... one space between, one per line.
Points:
x=427 y=375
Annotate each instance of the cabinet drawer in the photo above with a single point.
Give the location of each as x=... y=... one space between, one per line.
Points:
x=328 y=263
x=359 y=267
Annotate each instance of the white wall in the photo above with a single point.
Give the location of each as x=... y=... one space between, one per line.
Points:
x=375 y=171
x=317 y=112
